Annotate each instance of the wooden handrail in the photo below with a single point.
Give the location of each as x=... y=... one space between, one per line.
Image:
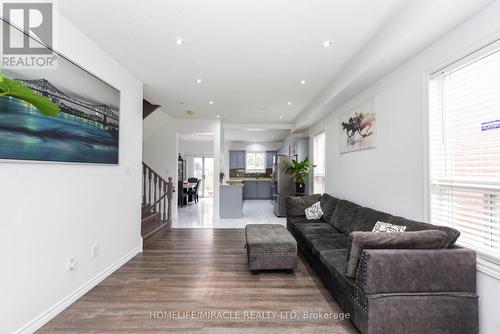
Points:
x=156 y=191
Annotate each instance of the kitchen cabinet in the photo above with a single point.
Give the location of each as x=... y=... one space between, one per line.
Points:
x=236 y=159
x=233 y=159
x=269 y=158
x=241 y=159
x=264 y=190
x=249 y=189
x=257 y=189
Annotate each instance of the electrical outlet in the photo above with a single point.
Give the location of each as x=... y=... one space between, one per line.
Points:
x=72 y=265
x=95 y=251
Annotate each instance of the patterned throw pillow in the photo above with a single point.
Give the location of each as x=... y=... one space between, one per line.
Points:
x=386 y=227
x=314 y=211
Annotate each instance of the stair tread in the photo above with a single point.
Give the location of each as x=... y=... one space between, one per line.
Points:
x=148 y=230
x=150 y=217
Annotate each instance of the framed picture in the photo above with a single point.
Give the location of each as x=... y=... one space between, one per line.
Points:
x=62 y=114
x=357 y=128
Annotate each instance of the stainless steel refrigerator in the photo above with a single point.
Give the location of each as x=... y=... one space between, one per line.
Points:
x=283 y=185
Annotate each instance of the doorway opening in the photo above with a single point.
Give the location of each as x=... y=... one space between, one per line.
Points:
x=204 y=170
x=196 y=178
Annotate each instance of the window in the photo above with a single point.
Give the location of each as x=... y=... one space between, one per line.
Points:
x=255 y=162
x=319 y=173
x=464 y=151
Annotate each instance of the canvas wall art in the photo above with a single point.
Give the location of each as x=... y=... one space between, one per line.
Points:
x=62 y=114
x=357 y=128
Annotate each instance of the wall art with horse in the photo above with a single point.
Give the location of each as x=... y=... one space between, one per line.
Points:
x=357 y=128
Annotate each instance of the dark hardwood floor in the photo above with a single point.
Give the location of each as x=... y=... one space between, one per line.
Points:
x=191 y=270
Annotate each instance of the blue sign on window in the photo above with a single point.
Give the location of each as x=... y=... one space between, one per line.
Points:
x=485 y=126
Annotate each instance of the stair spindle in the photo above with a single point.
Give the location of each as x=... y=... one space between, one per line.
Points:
x=170 y=191
x=144 y=184
x=164 y=201
x=150 y=174
x=155 y=180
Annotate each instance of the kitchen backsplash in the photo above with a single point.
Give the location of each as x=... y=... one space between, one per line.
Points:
x=241 y=173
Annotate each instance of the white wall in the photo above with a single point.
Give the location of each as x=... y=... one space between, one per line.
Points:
x=50 y=212
x=160 y=150
x=189 y=149
x=391 y=177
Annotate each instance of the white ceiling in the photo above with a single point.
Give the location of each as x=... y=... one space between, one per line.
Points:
x=251 y=55
x=256 y=135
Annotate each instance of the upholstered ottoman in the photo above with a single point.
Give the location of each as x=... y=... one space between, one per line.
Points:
x=270 y=247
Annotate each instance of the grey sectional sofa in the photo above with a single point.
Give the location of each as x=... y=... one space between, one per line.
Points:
x=394 y=289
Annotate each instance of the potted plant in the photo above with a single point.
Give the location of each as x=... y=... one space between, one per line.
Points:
x=299 y=170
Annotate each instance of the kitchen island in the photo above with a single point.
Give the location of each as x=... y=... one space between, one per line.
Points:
x=231 y=201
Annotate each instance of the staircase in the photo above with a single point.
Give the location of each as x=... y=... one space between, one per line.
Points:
x=156 y=210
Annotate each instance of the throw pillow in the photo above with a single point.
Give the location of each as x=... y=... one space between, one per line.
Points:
x=359 y=241
x=314 y=211
x=386 y=227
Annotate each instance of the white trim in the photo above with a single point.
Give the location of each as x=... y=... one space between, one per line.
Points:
x=425 y=144
x=53 y=311
x=488 y=267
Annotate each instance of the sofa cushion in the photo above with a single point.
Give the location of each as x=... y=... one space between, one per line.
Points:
x=296 y=205
x=328 y=204
x=366 y=218
x=333 y=242
x=335 y=261
x=411 y=225
x=315 y=228
x=431 y=239
x=292 y=221
x=343 y=215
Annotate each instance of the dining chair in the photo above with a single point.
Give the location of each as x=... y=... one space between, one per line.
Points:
x=194 y=192
x=182 y=194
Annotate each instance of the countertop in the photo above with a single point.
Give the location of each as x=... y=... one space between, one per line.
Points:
x=242 y=179
x=235 y=184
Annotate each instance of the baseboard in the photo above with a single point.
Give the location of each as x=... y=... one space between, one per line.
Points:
x=46 y=316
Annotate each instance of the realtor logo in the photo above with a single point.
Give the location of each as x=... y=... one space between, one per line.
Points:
x=27 y=36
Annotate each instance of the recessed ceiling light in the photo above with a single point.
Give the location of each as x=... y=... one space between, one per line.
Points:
x=281 y=116
x=218 y=116
x=210 y=102
x=198 y=81
x=189 y=113
x=179 y=41
x=302 y=82
x=327 y=44
x=289 y=103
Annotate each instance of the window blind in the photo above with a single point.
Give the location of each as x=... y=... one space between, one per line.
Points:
x=464 y=150
x=319 y=173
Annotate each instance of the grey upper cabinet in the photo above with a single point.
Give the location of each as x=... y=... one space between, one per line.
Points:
x=233 y=159
x=236 y=159
x=302 y=148
x=241 y=159
x=269 y=158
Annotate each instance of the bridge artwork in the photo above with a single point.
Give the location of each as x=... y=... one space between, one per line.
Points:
x=107 y=117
